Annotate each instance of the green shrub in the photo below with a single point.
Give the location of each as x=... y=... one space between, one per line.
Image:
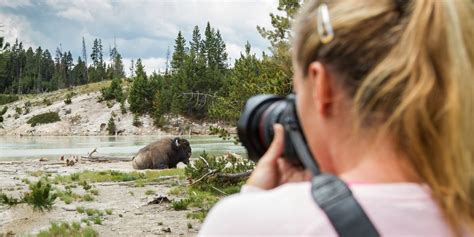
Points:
x=40 y=196
x=114 y=91
x=9 y=201
x=68 y=99
x=122 y=107
x=80 y=210
x=4 y=110
x=18 y=110
x=111 y=128
x=65 y=229
x=6 y=99
x=91 y=212
x=136 y=121
x=67 y=196
x=75 y=177
x=50 y=117
x=88 y=198
x=27 y=107
x=96 y=220
x=47 y=102
x=180 y=204
x=150 y=192
x=94 y=192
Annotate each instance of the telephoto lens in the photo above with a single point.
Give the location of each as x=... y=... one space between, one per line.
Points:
x=255 y=126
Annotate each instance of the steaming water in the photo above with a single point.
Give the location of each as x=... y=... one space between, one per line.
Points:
x=24 y=148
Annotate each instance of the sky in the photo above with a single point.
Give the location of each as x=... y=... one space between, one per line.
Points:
x=140 y=28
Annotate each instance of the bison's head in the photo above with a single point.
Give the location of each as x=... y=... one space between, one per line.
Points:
x=184 y=149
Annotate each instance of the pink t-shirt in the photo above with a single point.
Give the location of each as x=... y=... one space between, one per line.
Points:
x=399 y=209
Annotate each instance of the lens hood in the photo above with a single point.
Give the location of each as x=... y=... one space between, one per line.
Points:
x=248 y=124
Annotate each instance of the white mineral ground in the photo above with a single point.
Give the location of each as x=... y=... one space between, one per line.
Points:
x=85 y=116
x=138 y=218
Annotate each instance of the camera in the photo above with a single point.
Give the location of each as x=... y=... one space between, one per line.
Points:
x=255 y=126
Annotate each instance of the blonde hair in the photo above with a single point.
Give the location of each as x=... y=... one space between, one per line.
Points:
x=408 y=67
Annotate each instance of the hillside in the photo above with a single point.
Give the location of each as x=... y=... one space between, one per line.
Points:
x=86 y=116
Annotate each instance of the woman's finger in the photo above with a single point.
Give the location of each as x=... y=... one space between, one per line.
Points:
x=276 y=148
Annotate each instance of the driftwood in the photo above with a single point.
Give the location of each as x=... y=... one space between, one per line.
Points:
x=231 y=177
x=94 y=158
x=234 y=176
x=158 y=200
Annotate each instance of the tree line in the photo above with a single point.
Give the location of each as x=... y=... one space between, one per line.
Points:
x=24 y=71
x=197 y=82
x=201 y=84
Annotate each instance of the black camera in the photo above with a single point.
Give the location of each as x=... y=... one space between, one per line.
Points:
x=255 y=126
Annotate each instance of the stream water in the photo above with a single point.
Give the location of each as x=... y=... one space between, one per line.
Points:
x=24 y=148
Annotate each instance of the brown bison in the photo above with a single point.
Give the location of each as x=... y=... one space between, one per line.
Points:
x=163 y=154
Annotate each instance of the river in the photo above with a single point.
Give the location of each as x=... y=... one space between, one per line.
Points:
x=33 y=147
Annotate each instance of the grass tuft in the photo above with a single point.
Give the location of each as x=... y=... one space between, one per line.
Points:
x=65 y=229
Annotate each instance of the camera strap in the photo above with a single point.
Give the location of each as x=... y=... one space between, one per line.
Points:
x=336 y=200
x=331 y=194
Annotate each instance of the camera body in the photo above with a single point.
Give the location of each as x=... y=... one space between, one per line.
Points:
x=255 y=126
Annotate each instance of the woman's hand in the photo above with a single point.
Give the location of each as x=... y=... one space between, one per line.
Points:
x=271 y=171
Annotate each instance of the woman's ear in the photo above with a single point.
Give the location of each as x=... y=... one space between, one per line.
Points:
x=321 y=88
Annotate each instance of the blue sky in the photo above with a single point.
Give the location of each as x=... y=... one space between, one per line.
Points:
x=141 y=28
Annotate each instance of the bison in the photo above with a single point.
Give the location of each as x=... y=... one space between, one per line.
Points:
x=163 y=154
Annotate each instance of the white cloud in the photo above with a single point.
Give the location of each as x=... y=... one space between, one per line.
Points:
x=234 y=51
x=14 y=3
x=151 y=65
x=76 y=14
x=16 y=27
x=80 y=10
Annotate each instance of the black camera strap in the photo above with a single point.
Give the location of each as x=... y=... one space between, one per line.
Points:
x=331 y=194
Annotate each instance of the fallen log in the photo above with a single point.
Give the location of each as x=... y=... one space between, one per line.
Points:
x=234 y=176
x=100 y=158
x=106 y=158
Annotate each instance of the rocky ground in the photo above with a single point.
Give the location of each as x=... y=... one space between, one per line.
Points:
x=131 y=214
x=86 y=116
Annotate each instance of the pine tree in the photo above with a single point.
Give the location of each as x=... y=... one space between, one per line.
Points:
x=281 y=23
x=78 y=72
x=209 y=46
x=244 y=81
x=132 y=69
x=140 y=69
x=167 y=65
x=48 y=71
x=59 y=77
x=111 y=127
x=179 y=53
x=279 y=37
x=221 y=54
x=117 y=65
x=141 y=92
x=38 y=68
x=97 y=70
x=68 y=64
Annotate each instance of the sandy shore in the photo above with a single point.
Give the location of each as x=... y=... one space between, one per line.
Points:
x=131 y=215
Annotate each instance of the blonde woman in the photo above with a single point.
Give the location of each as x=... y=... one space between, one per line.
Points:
x=385 y=98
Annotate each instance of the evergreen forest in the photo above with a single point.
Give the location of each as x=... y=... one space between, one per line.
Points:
x=199 y=80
